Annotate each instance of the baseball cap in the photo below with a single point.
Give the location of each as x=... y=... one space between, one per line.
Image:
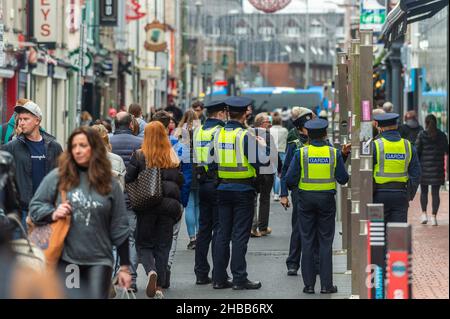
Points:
x=30 y=107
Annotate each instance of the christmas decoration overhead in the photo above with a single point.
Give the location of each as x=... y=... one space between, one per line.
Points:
x=270 y=6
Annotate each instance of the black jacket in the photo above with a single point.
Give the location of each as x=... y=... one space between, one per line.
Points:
x=172 y=180
x=124 y=143
x=410 y=131
x=431 y=153
x=22 y=158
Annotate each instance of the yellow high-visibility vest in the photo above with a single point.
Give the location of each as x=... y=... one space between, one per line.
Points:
x=232 y=162
x=318 y=164
x=393 y=160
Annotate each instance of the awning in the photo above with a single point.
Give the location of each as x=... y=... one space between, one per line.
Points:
x=406 y=12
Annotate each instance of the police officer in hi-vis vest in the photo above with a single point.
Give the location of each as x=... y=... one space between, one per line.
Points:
x=209 y=218
x=315 y=169
x=396 y=170
x=238 y=155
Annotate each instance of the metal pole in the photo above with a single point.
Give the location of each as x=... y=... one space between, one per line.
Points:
x=307 y=56
x=81 y=72
x=366 y=132
x=342 y=106
x=398 y=270
x=376 y=244
x=355 y=164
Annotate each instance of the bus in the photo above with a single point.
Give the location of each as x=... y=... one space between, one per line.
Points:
x=268 y=99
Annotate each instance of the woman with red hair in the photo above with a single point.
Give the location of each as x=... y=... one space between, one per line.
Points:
x=154 y=228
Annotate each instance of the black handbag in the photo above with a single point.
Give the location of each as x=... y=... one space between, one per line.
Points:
x=146 y=191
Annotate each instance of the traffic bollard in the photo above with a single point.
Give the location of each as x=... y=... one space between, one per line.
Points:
x=399 y=268
x=376 y=246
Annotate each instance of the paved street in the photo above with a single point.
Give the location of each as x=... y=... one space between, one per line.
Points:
x=265 y=262
x=430 y=252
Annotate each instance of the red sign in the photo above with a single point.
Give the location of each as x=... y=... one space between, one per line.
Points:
x=134 y=11
x=221 y=83
x=398 y=275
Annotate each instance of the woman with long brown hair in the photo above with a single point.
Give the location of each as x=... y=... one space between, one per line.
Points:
x=189 y=192
x=96 y=205
x=155 y=227
x=432 y=145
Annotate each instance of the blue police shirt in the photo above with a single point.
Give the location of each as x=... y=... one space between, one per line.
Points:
x=294 y=172
x=38 y=157
x=249 y=143
x=290 y=152
x=414 y=170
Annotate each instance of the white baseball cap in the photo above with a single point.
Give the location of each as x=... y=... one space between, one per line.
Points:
x=30 y=107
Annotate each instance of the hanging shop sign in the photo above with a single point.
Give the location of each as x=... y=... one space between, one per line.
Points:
x=108 y=13
x=74 y=57
x=45 y=22
x=155 y=37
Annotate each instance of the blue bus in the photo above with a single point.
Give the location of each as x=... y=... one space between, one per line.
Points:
x=267 y=99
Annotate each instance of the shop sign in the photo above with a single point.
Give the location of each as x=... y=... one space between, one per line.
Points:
x=45 y=22
x=108 y=13
x=155 y=37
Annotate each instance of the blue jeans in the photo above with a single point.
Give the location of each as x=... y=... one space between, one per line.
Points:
x=192 y=214
x=276 y=183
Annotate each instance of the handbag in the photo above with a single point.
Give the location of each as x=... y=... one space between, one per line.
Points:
x=27 y=254
x=146 y=191
x=50 y=238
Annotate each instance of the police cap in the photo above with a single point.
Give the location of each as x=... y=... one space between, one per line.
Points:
x=316 y=126
x=386 y=119
x=215 y=105
x=238 y=103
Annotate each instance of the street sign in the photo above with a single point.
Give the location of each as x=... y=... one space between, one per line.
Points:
x=108 y=13
x=373 y=15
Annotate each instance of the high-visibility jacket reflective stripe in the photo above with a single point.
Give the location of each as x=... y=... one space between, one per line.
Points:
x=202 y=141
x=393 y=160
x=231 y=159
x=318 y=165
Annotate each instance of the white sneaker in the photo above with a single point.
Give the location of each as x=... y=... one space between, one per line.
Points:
x=433 y=220
x=424 y=219
x=159 y=295
x=276 y=197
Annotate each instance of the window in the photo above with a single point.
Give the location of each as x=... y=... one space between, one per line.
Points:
x=293 y=32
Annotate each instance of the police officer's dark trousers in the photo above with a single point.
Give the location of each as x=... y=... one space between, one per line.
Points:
x=317 y=212
x=395 y=205
x=235 y=220
x=208 y=226
x=295 y=246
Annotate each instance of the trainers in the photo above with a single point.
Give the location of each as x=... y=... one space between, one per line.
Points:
x=424 y=219
x=151 y=284
x=266 y=232
x=159 y=294
x=192 y=244
x=276 y=197
x=434 y=220
x=255 y=233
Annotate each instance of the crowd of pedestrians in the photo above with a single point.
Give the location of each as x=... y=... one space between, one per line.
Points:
x=108 y=238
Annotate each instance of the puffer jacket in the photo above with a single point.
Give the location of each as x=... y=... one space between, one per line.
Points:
x=431 y=153
x=172 y=180
x=124 y=143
